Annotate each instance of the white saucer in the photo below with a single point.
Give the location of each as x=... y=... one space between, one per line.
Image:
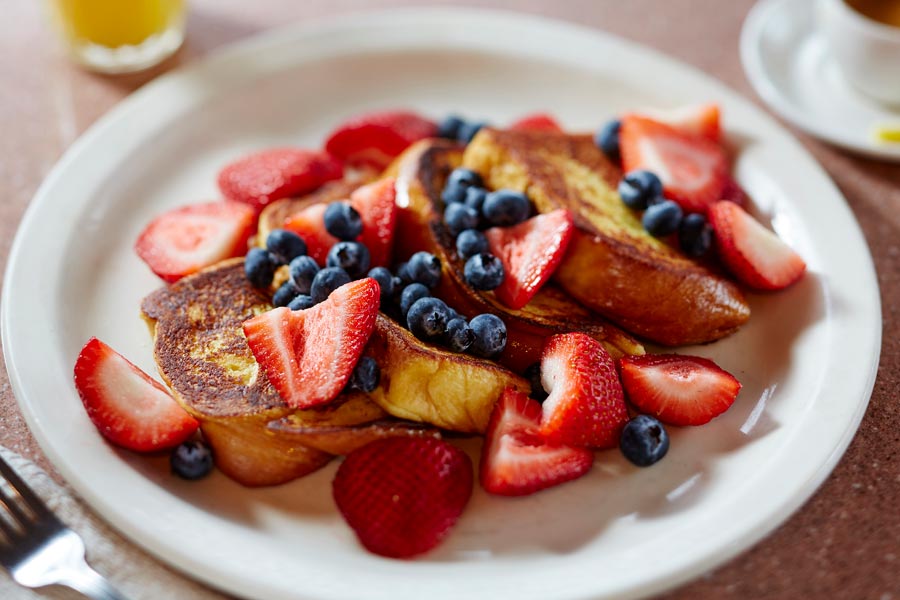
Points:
x=789 y=65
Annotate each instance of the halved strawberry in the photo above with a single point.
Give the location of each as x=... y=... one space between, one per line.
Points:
x=753 y=254
x=375 y=139
x=733 y=192
x=308 y=355
x=374 y=203
x=127 y=407
x=402 y=496
x=263 y=177
x=691 y=168
x=585 y=405
x=516 y=460
x=187 y=239
x=530 y=253
x=678 y=389
x=703 y=120
x=537 y=122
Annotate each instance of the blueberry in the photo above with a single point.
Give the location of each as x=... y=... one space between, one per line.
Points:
x=410 y=294
x=403 y=273
x=449 y=127
x=259 y=267
x=427 y=318
x=458 y=217
x=303 y=269
x=460 y=336
x=506 y=207
x=607 y=139
x=533 y=375
x=644 y=440
x=385 y=282
x=459 y=181
x=468 y=130
x=397 y=286
x=285 y=293
x=191 y=460
x=662 y=219
x=352 y=257
x=695 y=235
x=484 y=272
x=301 y=302
x=490 y=335
x=326 y=281
x=470 y=242
x=640 y=189
x=475 y=198
x=365 y=376
x=342 y=221
x=424 y=268
x=285 y=245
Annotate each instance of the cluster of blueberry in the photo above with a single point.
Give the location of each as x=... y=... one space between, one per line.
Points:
x=454 y=127
x=469 y=207
x=643 y=190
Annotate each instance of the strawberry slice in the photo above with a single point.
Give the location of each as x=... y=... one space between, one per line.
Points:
x=187 y=239
x=753 y=254
x=703 y=120
x=537 y=122
x=374 y=203
x=530 y=253
x=515 y=458
x=375 y=139
x=402 y=496
x=310 y=354
x=678 y=389
x=733 y=192
x=127 y=407
x=585 y=405
x=263 y=177
x=691 y=168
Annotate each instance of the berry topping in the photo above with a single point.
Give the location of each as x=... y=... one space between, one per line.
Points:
x=309 y=224
x=127 y=407
x=607 y=139
x=326 y=281
x=187 y=239
x=342 y=221
x=702 y=120
x=733 y=192
x=301 y=302
x=753 y=254
x=470 y=242
x=352 y=257
x=285 y=245
x=409 y=296
x=303 y=270
x=678 y=389
x=695 y=235
x=662 y=219
x=506 y=207
x=537 y=122
x=259 y=267
x=530 y=253
x=640 y=189
x=449 y=127
x=515 y=459
x=270 y=175
x=424 y=268
x=385 y=281
x=458 y=217
x=402 y=496
x=375 y=139
x=692 y=168
x=285 y=293
x=365 y=376
x=427 y=318
x=644 y=441
x=468 y=130
x=490 y=335
x=460 y=336
x=475 y=197
x=458 y=184
x=585 y=405
x=484 y=271
x=533 y=375
x=309 y=355
x=191 y=460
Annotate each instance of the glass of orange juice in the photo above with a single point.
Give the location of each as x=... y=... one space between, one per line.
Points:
x=120 y=36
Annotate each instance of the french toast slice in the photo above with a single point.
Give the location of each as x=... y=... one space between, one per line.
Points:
x=612 y=264
x=421 y=172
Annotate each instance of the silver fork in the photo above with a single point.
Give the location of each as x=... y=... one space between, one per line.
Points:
x=38 y=549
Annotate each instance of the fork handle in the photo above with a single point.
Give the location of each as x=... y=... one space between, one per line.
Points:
x=90 y=583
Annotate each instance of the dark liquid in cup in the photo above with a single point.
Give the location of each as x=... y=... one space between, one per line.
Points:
x=884 y=11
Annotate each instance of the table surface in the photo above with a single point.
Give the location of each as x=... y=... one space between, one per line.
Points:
x=844 y=543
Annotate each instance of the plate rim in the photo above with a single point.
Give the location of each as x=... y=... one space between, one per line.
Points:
x=291 y=31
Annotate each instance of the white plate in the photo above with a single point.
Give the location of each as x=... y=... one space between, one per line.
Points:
x=788 y=62
x=807 y=359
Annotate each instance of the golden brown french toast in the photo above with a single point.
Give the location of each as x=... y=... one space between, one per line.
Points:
x=612 y=264
x=421 y=172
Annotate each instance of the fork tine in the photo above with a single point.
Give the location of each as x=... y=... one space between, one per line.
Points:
x=35 y=504
x=11 y=507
